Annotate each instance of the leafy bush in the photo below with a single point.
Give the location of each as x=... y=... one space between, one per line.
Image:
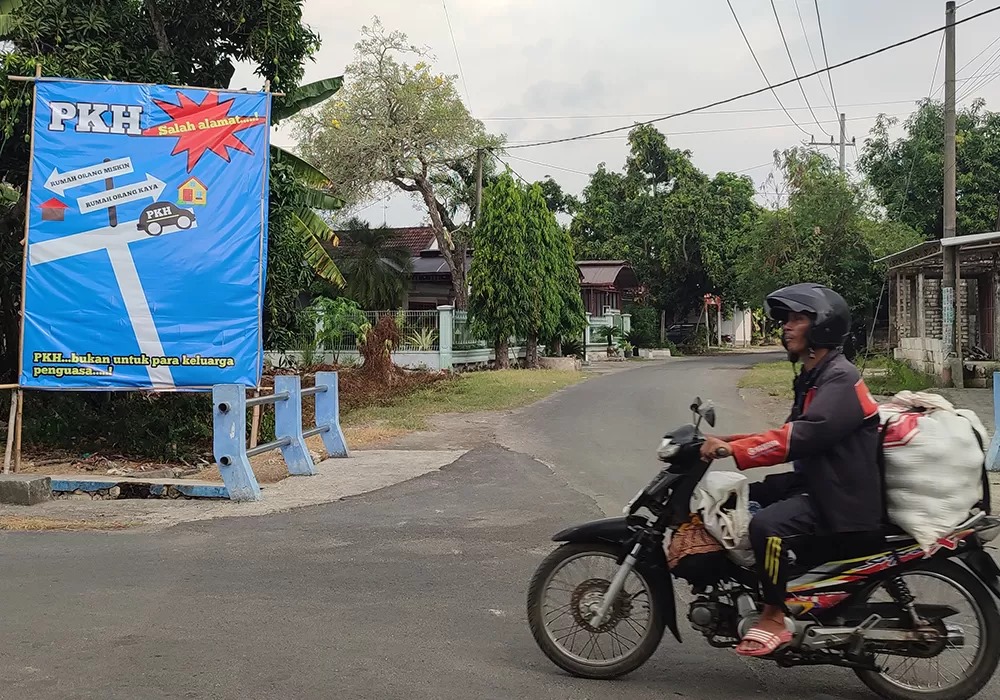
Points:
x=898 y=376
x=155 y=426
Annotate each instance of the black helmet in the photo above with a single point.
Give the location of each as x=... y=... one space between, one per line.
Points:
x=831 y=317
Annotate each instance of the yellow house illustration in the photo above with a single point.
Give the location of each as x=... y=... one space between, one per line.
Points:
x=192 y=192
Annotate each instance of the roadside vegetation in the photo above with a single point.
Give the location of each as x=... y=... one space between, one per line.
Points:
x=884 y=376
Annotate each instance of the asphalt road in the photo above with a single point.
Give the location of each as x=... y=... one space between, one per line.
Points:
x=602 y=436
x=416 y=591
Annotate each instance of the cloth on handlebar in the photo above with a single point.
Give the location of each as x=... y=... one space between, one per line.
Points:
x=730 y=526
x=934 y=457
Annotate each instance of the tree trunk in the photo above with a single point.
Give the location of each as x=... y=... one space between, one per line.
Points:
x=557 y=346
x=459 y=275
x=531 y=353
x=453 y=256
x=502 y=350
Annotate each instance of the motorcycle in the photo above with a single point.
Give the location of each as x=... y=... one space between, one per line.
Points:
x=598 y=605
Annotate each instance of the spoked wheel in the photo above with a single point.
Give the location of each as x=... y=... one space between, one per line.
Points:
x=563 y=598
x=956 y=664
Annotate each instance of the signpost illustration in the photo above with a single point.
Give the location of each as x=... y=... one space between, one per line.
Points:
x=135 y=277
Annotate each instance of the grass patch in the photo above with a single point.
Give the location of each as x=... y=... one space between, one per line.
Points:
x=884 y=376
x=17 y=523
x=470 y=393
x=773 y=378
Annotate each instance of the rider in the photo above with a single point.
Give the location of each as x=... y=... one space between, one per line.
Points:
x=830 y=437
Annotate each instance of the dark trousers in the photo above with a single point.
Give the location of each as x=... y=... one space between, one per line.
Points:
x=787 y=512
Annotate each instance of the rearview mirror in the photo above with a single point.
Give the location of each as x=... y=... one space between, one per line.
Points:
x=710 y=416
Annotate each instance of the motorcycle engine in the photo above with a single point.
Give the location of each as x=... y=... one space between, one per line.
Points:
x=712 y=618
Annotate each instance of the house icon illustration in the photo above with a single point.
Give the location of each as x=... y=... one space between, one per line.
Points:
x=192 y=192
x=54 y=210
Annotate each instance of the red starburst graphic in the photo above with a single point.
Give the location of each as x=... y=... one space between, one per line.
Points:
x=204 y=127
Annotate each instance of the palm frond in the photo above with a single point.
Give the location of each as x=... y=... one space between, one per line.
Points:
x=304 y=171
x=306 y=96
x=318 y=199
x=314 y=232
x=7 y=8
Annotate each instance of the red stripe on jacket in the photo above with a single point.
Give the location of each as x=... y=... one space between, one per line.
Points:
x=764 y=449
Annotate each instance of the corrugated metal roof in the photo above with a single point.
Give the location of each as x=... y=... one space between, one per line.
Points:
x=607 y=273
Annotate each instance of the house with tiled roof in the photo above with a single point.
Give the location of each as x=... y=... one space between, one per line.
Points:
x=603 y=283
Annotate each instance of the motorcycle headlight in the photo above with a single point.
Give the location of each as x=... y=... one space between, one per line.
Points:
x=666 y=450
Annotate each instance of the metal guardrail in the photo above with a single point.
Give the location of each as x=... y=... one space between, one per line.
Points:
x=230 y=430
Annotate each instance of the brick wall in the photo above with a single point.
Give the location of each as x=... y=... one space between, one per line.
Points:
x=932 y=309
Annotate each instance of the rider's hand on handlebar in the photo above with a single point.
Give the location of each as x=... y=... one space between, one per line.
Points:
x=714 y=448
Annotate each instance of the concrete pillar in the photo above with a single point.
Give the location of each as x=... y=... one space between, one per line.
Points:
x=586 y=331
x=446 y=335
x=919 y=301
x=626 y=323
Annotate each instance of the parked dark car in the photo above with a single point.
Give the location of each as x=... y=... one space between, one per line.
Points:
x=680 y=332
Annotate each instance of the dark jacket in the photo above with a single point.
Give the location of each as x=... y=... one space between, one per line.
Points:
x=831 y=436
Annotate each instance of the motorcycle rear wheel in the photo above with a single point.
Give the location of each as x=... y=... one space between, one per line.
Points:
x=570 y=624
x=986 y=658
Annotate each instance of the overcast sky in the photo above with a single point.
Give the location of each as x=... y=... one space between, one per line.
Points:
x=543 y=70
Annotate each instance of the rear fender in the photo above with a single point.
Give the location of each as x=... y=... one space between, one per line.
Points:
x=983 y=566
x=617 y=531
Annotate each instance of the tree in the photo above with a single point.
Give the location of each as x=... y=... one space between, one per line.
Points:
x=572 y=316
x=680 y=229
x=541 y=242
x=376 y=269
x=173 y=42
x=828 y=233
x=500 y=285
x=397 y=125
x=908 y=173
x=558 y=201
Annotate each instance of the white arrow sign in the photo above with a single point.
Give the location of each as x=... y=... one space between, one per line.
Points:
x=60 y=182
x=152 y=188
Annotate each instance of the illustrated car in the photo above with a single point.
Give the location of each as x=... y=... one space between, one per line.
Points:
x=157 y=216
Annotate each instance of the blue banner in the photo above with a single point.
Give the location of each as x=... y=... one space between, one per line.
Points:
x=147 y=235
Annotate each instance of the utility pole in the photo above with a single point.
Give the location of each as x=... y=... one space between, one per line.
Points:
x=844 y=143
x=479 y=183
x=949 y=323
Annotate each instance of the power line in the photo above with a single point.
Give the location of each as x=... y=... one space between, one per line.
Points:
x=760 y=90
x=761 y=68
x=812 y=57
x=723 y=130
x=457 y=57
x=826 y=58
x=549 y=165
x=795 y=72
x=967 y=63
x=508 y=165
x=913 y=159
x=755 y=110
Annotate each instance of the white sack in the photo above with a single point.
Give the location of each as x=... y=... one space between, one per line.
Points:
x=933 y=464
x=730 y=527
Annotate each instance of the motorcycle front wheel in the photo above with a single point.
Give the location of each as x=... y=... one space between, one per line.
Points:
x=563 y=596
x=957 y=667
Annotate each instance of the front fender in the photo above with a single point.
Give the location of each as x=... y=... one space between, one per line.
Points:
x=612 y=530
x=617 y=531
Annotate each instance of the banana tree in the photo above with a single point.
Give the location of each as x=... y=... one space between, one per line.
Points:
x=7 y=8
x=314 y=185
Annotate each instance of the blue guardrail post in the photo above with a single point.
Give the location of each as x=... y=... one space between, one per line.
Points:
x=993 y=456
x=328 y=415
x=288 y=424
x=229 y=418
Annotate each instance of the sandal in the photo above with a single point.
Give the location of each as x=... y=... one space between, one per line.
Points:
x=768 y=641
